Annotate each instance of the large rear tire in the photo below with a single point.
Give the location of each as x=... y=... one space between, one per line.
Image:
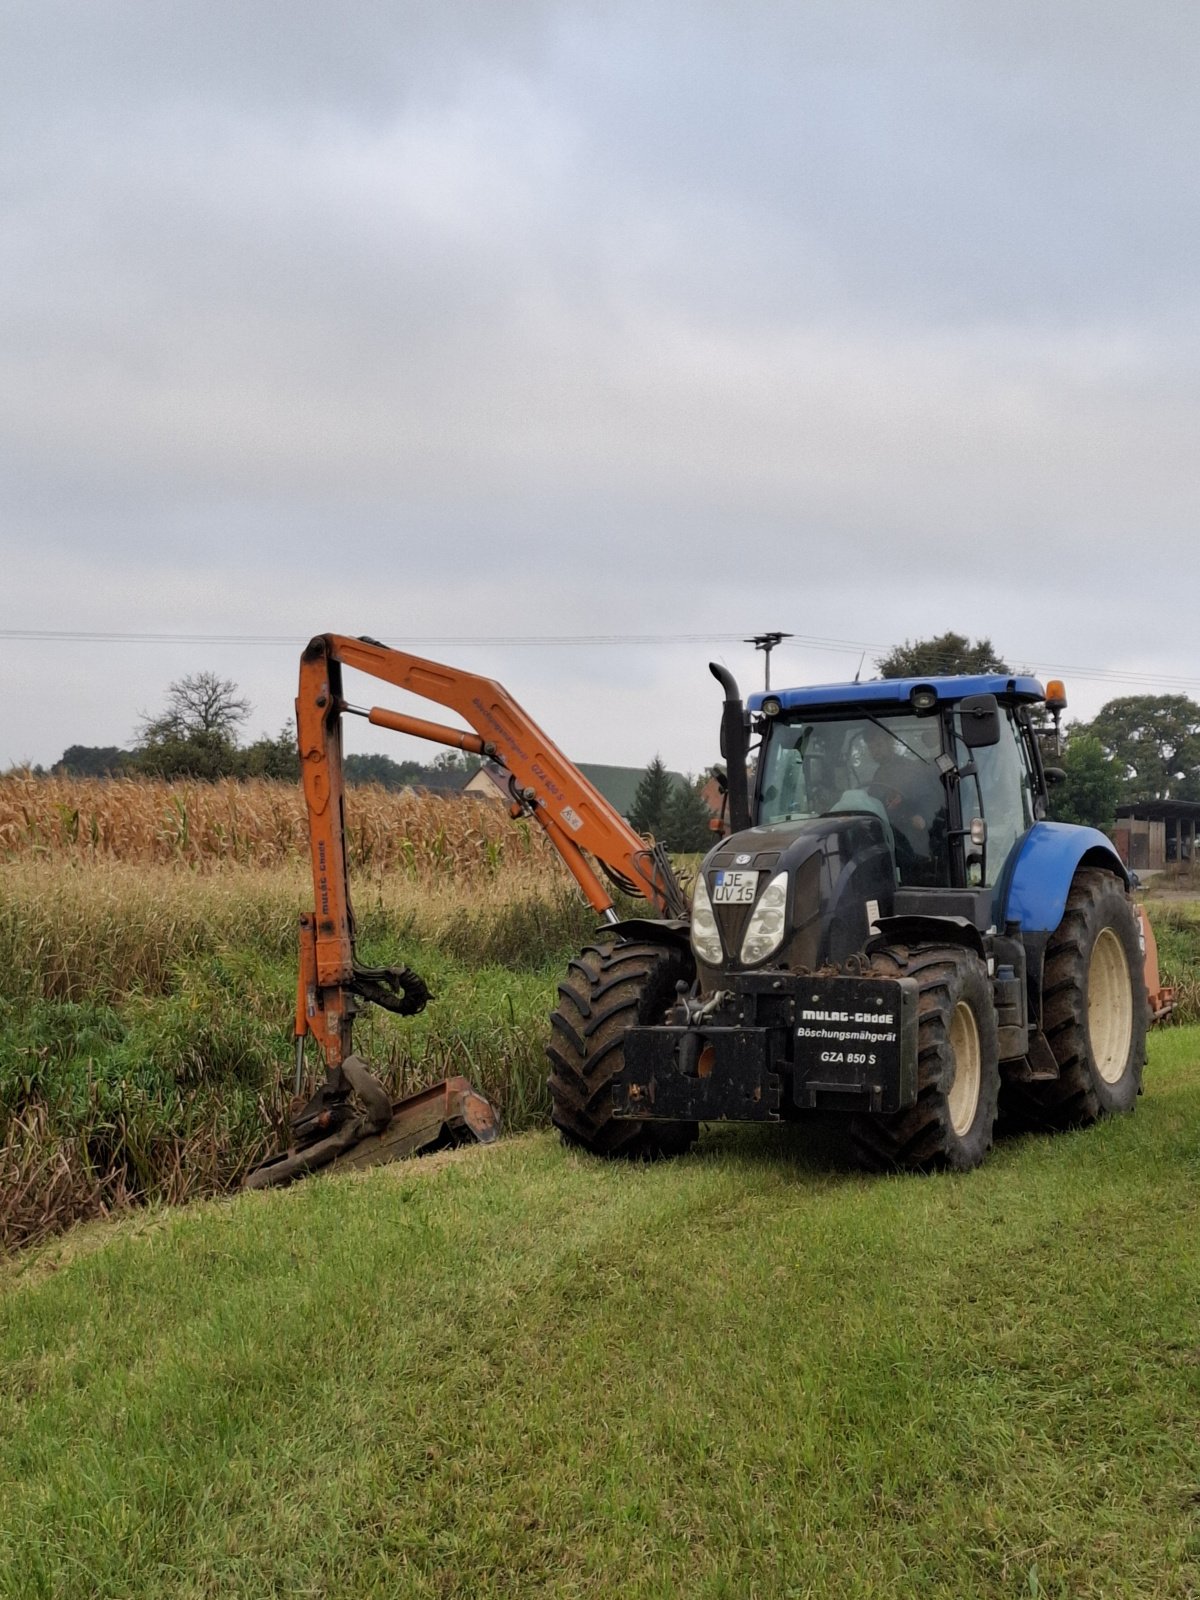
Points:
x=609 y=988
x=1094 y=1008
x=958 y=1074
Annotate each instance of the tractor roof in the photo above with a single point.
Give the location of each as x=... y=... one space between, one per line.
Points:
x=895 y=692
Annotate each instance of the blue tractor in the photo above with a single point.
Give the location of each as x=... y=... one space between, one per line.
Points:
x=891 y=930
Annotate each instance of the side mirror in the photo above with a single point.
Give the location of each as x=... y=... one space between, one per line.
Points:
x=980 y=721
x=1054 y=775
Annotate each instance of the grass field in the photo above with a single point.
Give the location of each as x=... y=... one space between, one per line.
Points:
x=147 y=970
x=751 y=1373
x=518 y=1371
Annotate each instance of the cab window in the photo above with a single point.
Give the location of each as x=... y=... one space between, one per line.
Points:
x=885 y=767
x=1000 y=793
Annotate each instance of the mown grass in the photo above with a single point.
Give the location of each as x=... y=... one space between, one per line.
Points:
x=520 y=1371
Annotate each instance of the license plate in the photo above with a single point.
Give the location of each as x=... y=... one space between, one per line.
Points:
x=734 y=888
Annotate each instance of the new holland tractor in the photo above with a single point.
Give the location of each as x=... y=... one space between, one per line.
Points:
x=891 y=929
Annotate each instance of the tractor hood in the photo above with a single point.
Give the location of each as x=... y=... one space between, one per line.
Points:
x=840 y=876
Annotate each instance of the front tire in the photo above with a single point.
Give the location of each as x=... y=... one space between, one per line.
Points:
x=609 y=988
x=1094 y=1007
x=958 y=1074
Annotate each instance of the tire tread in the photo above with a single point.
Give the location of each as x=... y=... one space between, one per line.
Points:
x=608 y=988
x=922 y=1136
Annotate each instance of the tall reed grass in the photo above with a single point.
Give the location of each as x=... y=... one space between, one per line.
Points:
x=147 y=973
x=1177 y=932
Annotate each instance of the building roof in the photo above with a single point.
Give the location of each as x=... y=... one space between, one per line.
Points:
x=894 y=692
x=618 y=785
x=1160 y=810
x=450 y=780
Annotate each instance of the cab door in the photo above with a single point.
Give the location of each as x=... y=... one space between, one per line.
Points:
x=1000 y=791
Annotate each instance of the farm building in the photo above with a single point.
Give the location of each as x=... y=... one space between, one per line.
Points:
x=1156 y=833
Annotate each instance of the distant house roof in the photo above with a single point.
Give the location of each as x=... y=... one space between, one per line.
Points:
x=618 y=785
x=1160 y=810
x=713 y=796
x=479 y=784
x=437 y=781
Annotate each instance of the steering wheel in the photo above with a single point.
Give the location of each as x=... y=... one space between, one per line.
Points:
x=859 y=760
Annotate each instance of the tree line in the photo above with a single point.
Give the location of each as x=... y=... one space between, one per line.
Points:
x=198 y=734
x=1136 y=748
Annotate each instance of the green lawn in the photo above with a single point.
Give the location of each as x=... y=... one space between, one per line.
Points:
x=519 y=1371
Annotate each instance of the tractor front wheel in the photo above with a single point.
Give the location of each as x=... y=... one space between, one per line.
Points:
x=1094 y=1007
x=609 y=988
x=958 y=1074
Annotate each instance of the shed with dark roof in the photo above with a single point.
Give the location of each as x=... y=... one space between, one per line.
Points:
x=1152 y=834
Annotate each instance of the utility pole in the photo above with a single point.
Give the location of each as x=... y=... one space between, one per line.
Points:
x=766 y=642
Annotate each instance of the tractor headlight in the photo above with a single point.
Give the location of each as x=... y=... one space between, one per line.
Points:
x=767 y=926
x=706 y=936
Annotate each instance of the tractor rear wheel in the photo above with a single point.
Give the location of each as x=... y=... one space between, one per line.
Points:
x=608 y=988
x=958 y=1073
x=1094 y=1008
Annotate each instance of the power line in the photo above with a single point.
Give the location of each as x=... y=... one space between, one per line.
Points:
x=803 y=642
x=106 y=636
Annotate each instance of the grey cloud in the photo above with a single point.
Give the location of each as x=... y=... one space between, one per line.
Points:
x=855 y=319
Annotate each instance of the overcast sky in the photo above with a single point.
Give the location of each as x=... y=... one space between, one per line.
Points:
x=677 y=321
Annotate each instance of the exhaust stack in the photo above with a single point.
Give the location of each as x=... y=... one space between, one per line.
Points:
x=734 y=746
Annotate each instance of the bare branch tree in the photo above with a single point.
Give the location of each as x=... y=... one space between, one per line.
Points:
x=200 y=704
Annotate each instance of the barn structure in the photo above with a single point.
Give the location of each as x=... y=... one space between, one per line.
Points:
x=1156 y=833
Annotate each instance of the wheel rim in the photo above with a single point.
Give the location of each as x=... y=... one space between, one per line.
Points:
x=963 y=1099
x=1109 y=1005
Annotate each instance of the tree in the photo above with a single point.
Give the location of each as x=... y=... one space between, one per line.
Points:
x=457 y=761
x=271 y=758
x=200 y=703
x=685 y=822
x=382 y=770
x=391 y=774
x=1153 y=741
x=648 y=813
x=195 y=734
x=200 y=755
x=944 y=656
x=1092 y=789
x=92 y=761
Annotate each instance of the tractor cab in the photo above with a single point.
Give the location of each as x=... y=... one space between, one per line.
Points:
x=949 y=767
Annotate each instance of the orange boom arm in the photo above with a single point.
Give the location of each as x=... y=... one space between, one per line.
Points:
x=541 y=783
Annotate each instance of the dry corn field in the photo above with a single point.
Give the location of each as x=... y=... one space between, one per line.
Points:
x=256 y=823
